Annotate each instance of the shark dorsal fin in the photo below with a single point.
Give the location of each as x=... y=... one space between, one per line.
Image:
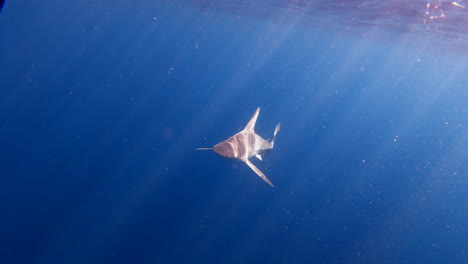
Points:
x=251 y=124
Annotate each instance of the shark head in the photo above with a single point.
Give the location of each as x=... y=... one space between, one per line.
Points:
x=224 y=149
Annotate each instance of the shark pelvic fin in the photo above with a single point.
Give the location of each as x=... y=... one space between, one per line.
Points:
x=258 y=172
x=258 y=156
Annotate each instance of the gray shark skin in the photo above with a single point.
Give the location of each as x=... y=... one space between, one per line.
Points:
x=246 y=144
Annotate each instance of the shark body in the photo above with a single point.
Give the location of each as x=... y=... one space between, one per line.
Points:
x=246 y=144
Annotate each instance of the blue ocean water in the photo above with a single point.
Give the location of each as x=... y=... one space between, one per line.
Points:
x=103 y=103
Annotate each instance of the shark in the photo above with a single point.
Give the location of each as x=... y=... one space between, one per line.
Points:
x=246 y=144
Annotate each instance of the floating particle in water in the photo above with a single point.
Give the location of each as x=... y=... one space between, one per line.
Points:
x=433 y=12
x=457 y=4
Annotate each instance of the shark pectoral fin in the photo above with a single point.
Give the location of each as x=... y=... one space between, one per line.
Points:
x=258 y=172
x=251 y=124
x=258 y=156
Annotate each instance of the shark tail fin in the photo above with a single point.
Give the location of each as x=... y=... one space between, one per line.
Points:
x=277 y=129
x=203 y=148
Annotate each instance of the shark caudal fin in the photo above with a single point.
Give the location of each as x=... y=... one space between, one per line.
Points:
x=277 y=129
